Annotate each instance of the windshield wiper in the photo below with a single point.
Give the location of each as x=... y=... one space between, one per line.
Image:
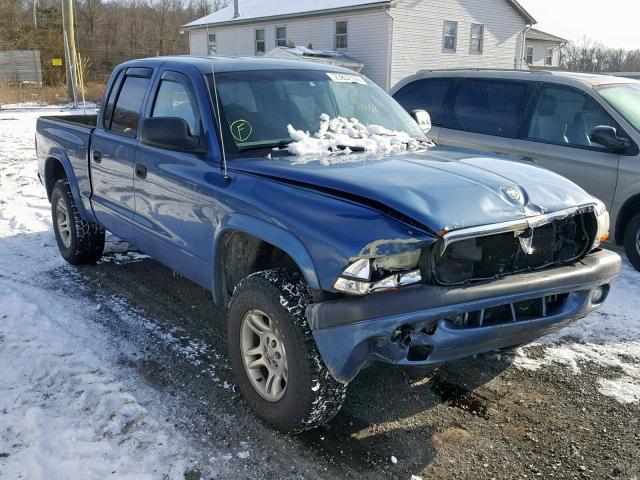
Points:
x=259 y=146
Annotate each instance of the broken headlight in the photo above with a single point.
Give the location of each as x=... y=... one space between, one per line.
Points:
x=602 y=216
x=379 y=274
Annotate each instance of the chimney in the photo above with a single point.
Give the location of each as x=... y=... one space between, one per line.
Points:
x=236 y=9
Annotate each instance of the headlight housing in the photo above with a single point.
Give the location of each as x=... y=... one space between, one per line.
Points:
x=380 y=274
x=602 y=217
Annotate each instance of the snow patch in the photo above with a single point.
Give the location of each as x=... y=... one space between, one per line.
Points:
x=608 y=338
x=343 y=136
x=624 y=391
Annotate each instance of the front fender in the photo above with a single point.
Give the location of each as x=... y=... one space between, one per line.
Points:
x=270 y=233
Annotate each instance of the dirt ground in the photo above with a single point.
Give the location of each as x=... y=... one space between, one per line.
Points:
x=475 y=419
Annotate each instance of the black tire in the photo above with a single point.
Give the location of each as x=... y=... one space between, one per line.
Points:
x=631 y=243
x=312 y=396
x=83 y=241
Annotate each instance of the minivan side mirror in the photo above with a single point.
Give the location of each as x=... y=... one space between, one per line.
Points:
x=170 y=133
x=608 y=137
x=423 y=119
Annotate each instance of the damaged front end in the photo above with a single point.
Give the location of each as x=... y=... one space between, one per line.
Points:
x=470 y=291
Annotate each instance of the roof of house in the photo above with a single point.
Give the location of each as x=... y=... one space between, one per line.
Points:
x=253 y=10
x=534 y=34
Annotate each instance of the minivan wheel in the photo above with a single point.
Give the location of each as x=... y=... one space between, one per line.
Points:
x=632 y=241
x=79 y=241
x=277 y=367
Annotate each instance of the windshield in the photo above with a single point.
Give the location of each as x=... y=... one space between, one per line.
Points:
x=257 y=106
x=625 y=99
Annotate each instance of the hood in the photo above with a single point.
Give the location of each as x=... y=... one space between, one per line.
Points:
x=441 y=188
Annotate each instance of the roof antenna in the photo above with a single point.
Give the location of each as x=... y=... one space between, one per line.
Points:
x=216 y=104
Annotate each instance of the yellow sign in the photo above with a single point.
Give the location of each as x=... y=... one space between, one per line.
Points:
x=56 y=62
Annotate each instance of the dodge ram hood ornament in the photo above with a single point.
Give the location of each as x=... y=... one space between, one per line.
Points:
x=512 y=194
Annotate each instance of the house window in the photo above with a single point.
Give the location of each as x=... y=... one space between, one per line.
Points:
x=548 y=59
x=281 y=36
x=477 y=38
x=341 y=34
x=260 y=43
x=213 y=44
x=450 y=36
x=529 y=55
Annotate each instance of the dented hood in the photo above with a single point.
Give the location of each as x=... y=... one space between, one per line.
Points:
x=441 y=188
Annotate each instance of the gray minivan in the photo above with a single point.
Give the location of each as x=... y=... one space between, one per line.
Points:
x=585 y=127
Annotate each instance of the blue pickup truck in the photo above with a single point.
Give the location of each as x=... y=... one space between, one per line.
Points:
x=327 y=261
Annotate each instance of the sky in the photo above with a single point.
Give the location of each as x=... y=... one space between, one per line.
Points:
x=614 y=23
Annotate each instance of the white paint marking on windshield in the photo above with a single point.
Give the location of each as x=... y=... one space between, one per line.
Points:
x=346 y=78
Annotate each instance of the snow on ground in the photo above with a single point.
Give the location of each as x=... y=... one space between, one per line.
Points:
x=608 y=338
x=342 y=136
x=67 y=410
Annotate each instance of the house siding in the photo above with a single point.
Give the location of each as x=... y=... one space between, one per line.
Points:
x=368 y=38
x=418 y=27
x=540 y=52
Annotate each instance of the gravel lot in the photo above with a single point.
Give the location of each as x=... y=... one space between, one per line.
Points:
x=567 y=407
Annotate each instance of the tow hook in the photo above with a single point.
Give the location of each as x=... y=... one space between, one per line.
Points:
x=402 y=335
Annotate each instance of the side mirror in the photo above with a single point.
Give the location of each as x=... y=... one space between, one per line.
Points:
x=170 y=133
x=423 y=120
x=608 y=137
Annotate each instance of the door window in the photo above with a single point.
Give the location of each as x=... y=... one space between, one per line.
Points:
x=173 y=100
x=490 y=107
x=127 y=110
x=429 y=94
x=108 y=109
x=566 y=116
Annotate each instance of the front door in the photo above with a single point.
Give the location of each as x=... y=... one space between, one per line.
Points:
x=113 y=149
x=558 y=139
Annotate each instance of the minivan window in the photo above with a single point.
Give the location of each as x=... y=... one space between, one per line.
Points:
x=491 y=107
x=625 y=99
x=566 y=116
x=173 y=100
x=427 y=94
x=127 y=110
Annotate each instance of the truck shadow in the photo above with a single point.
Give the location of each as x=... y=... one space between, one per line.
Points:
x=384 y=414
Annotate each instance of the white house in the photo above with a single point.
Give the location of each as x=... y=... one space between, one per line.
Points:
x=393 y=38
x=542 y=50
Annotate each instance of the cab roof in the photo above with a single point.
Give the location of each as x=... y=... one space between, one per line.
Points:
x=234 y=64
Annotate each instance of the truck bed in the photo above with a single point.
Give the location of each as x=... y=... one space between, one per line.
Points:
x=77 y=120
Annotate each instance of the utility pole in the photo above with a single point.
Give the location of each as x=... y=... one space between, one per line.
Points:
x=69 y=36
x=35 y=13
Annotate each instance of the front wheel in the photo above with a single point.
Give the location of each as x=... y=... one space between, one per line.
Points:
x=79 y=241
x=277 y=366
x=632 y=241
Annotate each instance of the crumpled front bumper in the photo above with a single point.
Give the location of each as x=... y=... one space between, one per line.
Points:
x=413 y=326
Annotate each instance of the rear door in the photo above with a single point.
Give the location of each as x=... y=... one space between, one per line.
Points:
x=174 y=190
x=485 y=114
x=557 y=138
x=113 y=151
x=430 y=94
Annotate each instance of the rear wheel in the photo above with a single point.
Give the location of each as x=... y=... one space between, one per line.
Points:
x=632 y=241
x=276 y=363
x=79 y=241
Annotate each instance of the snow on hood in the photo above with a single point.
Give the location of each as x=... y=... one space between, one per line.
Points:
x=343 y=136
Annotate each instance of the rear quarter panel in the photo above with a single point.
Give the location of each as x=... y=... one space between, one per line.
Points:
x=69 y=145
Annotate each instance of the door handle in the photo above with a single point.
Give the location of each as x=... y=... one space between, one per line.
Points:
x=97 y=156
x=141 y=170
